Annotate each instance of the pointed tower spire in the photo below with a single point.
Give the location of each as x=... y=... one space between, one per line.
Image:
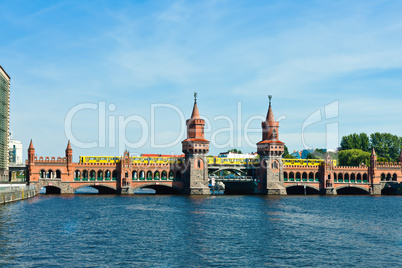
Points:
x=373 y=152
x=69 y=152
x=31 y=145
x=270 y=114
x=31 y=152
x=270 y=126
x=195 y=114
x=69 y=145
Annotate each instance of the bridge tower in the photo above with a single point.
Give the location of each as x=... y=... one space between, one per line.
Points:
x=31 y=153
x=327 y=177
x=195 y=149
x=31 y=160
x=69 y=158
x=270 y=149
x=375 y=180
x=125 y=167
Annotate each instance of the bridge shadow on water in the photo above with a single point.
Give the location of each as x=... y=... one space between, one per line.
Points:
x=157 y=189
x=300 y=190
x=154 y=189
x=50 y=190
x=95 y=190
x=389 y=191
x=230 y=189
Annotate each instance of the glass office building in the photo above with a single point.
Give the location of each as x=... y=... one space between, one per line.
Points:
x=4 y=123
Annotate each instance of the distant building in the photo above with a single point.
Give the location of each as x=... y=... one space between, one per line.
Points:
x=305 y=153
x=4 y=122
x=14 y=151
x=296 y=154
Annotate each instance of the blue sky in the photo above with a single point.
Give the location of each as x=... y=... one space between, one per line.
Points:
x=343 y=55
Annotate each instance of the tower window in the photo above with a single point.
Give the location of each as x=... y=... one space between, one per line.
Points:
x=274 y=165
x=274 y=134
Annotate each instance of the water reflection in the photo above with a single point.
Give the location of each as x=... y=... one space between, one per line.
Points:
x=181 y=231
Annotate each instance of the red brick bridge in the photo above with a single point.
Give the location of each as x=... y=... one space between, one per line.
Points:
x=190 y=176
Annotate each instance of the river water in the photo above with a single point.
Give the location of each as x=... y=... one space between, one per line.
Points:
x=182 y=231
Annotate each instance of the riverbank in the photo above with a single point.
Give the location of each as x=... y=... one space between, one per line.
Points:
x=10 y=193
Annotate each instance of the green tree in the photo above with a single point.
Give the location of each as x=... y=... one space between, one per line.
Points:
x=320 y=151
x=382 y=159
x=286 y=153
x=235 y=151
x=353 y=157
x=386 y=145
x=311 y=156
x=356 y=141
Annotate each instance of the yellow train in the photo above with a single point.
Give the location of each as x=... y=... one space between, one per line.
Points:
x=305 y=162
x=135 y=159
x=211 y=160
x=99 y=159
x=256 y=161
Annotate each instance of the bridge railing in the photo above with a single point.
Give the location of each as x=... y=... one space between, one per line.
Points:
x=12 y=188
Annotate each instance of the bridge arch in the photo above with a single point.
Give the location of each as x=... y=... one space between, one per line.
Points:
x=298 y=189
x=58 y=174
x=102 y=188
x=365 y=176
x=107 y=174
x=389 y=190
x=52 y=189
x=394 y=177
x=291 y=176
x=92 y=174
x=317 y=176
x=42 y=173
x=100 y=174
x=160 y=188
x=134 y=175
x=237 y=171
x=340 y=177
x=351 y=190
